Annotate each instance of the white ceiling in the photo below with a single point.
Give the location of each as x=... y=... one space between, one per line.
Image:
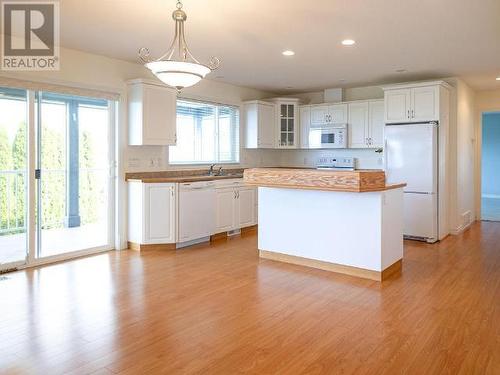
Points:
x=428 y=38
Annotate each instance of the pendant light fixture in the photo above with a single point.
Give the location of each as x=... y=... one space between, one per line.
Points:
x=178 y=67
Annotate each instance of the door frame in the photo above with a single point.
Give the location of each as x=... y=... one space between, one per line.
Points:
x=479 y=158
x=31 y=259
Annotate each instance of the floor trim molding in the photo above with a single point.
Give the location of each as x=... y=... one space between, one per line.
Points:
x=333 y=267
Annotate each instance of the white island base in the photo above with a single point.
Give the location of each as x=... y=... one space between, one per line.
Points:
x=354 y=233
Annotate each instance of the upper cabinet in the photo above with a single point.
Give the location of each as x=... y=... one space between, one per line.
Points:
x=413 y=102
x=287 y=122
x=260 y=119
x=358 y=125
x=366 y=124
x=305 y=125
x=272 y=124
x=377 y=124
x=329 y=114
x=151 y=113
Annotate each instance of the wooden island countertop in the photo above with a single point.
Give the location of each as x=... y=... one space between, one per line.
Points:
x=362 y=180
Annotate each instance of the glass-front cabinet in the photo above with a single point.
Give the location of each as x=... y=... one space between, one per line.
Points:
x=287 y=122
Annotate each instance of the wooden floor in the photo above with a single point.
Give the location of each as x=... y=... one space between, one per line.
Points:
x=220 y=310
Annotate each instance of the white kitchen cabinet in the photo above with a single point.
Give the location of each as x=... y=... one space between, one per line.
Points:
x=152 y=212
x=425 y=104
x=397 y=106
x=235 y=207
x=151 y=113
x=338 y=113
x=376 y=123
x=329 y=114
x=414 y=103
x=247 y=200
x=260 y=124
x=304 y=125
x=319 y=114
x=358 y=125
x=272 y=124
x=225 y=208
x=287 y=120
x=366 y=124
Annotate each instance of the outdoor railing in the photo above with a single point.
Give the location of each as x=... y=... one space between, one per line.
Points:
x=13 y=197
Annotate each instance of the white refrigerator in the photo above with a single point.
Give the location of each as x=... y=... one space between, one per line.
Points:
x=411 y=156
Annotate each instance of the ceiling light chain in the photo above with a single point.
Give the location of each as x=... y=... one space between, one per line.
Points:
x=178 y=67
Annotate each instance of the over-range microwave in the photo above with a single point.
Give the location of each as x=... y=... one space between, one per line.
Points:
x=328 y=136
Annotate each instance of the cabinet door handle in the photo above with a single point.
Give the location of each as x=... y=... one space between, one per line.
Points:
x=409 y=114
x=412 y=113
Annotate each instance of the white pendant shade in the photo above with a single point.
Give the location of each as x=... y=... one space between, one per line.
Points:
x=178 y=67
x=178 y=74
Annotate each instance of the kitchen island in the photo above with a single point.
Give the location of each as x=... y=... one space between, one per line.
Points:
x=349 y=222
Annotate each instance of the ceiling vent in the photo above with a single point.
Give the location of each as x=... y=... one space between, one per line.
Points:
x=333 y=95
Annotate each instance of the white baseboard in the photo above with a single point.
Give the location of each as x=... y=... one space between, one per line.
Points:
x=494 y=196
x=460 y=229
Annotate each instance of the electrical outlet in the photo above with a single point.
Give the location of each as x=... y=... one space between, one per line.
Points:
x=134 y=163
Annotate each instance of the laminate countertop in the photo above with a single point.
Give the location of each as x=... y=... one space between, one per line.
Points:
x=150 y=180
x=364 y=180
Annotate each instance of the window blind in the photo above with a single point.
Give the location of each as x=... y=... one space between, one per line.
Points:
x=206 y=133
x=56 y=88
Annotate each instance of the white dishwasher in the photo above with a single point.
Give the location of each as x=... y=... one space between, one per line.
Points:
x=196 y=210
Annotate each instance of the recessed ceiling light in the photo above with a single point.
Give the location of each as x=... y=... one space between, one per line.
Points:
x=288 y=53
x=498 y=78
x=348 y=42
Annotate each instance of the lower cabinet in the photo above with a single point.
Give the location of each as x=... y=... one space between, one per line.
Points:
x=236 y=207
x=152 y=213
x=153 y=210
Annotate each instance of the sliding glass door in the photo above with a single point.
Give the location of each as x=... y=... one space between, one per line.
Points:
x=71 y=175
x=13 y=177
x=74 y=178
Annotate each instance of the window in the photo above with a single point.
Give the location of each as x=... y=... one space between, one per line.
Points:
x=206 y=133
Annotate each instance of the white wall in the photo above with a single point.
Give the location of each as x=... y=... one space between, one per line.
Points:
x=462 y=156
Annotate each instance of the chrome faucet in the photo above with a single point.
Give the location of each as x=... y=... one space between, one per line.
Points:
x=211 y=170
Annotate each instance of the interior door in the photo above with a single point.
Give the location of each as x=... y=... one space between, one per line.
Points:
x=411 y=154
x=14 y=202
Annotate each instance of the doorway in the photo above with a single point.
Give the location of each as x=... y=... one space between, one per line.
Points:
x=490 y=167
x=56 y=176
